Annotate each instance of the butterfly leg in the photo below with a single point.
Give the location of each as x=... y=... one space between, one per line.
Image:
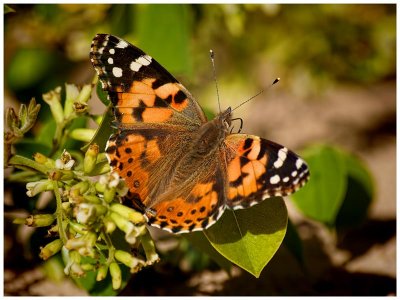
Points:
x=240 y=127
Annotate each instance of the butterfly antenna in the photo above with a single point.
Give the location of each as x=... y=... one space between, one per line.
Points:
x=259 y=93
x=215 y=77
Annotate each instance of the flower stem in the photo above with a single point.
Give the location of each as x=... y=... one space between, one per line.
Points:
x=110 y=246
x=59 y=213
x=26 y=163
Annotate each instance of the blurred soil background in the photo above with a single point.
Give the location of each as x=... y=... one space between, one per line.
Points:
x=337 y=65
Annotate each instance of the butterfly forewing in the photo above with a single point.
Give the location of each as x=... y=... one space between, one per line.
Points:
x=140 y=89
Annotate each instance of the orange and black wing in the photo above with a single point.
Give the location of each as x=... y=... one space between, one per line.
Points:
x=258 y=169
x=142 y=92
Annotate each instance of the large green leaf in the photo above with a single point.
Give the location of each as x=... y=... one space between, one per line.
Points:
x=250 y=237
x=163 y=31
x=359 y=194
x=199 y=240
x=293 y=242
x=321 y=198
x=103 y=132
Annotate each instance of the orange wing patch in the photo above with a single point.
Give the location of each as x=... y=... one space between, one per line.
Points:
x=143 y=103
x=131 y=155
x=197 y=211
x=245 y=169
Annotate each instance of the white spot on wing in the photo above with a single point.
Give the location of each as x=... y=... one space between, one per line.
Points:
x=274 y=179
x=282 y=153
x=238 y=207
x=112 y=51
x=135 y=66
x=286 y=179
x=299 y=163
x=110 y=60
x=144 y=60
x=117 y=72
x=294 y=173
x=121 y=44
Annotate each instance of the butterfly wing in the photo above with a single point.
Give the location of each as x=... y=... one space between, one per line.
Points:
x=258 y=169
x=145 y=159
x=142 y=92
x=195 y=210
x=156 y=119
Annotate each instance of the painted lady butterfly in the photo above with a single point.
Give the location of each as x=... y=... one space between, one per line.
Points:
x=181 y=169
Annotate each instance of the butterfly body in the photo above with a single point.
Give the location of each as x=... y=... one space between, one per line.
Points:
x=182 y=170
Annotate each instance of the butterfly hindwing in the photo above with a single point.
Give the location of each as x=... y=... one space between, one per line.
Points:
x=140 y=89
x=258 y=169
x=197 y=209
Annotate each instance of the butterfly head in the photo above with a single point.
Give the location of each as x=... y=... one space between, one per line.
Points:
x=225 y=119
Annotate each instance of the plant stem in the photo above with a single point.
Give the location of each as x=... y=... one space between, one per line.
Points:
x=110 y=246
x=26 y=163
x=59 y=213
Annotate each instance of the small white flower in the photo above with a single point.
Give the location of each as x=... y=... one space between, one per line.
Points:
x=131 y=231
x=153 y=258
x=65 y=162
x=85 y=213
x=112 y=180
x=34 y=188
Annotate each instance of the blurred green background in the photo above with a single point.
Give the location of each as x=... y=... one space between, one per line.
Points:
x=337 y=65
x=309 y=46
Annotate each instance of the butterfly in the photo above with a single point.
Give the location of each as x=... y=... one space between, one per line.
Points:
x=183 y=170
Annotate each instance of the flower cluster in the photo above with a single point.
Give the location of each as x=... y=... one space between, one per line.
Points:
x=88 y=213
x=89 y=217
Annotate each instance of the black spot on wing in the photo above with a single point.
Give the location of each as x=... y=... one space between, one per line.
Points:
x=176 y=229
x=159 y=102
x=179 y=97
x=237 y=182
x=243 y=160
x=111 y=149
x=247 y=143
x=137 y=113
x=157 y=83
x=263 y=148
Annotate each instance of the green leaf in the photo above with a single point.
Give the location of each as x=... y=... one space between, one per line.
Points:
x=321 y=198
x=46 y=133
x=102 y=94
x=28 y=146
x=167 y=25
x=250 y=237
x=359 y=194
x=200 y=241
x=293 y=242
x=8 y=9
x=103 y=132
x=54 y=268
x=79 y=122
